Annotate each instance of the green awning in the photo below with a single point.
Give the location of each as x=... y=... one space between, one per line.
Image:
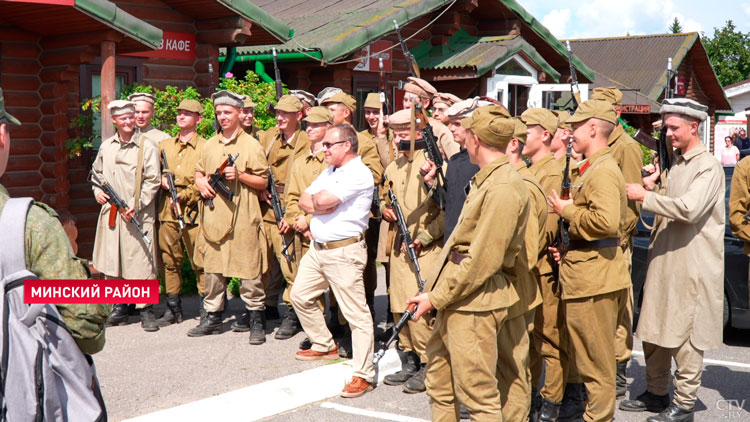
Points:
x=336 y=36
x=106 y=12
x=482 y=54
x=259 y=16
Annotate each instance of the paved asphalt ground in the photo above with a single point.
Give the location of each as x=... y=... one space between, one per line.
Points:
x=142 y=373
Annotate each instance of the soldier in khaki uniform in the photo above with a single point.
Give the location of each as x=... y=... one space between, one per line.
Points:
x=683 y=295
x=129 y=162
x=49 y=255
x=548 y=332
x=629 y=156
x=515 y=379
x=182 y=153
x=282 y=144
x=593 y=272
x=144 y=111
x=231 y=241
x=247 y=118
x=425 y=221
x=419 y=90
x=472 y=287
x=440 y=104
x=739 y=202
x=342 y=107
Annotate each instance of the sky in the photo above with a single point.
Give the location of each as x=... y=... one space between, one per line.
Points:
x=615 y=18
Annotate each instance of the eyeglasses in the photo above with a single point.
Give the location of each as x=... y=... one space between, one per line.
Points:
x=328 y=145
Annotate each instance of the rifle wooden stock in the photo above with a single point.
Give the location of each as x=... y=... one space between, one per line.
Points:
x=113 y=211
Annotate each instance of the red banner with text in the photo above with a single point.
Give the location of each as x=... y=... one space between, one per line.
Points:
x=91 y=291
x=174 y=45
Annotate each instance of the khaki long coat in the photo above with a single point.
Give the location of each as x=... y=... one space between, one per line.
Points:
x=120 y=251
x=683 y=296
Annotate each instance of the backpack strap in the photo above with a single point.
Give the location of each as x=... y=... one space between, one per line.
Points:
x=13 y=227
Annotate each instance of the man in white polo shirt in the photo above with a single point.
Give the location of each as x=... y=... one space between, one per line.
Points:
x=339 y=200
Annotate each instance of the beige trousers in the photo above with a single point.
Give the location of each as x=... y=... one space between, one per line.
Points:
x=279 y=269
x=687 y=376
x=464 y=364
x=415 y=335
x=251 y=292
x=550 y=340
x=172 y=245
x=591 y=323
x=514 y=377
x=624 y=333
x=341 y=270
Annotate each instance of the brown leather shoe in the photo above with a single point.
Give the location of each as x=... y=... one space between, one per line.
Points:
x=357 y=387
x=311 y=354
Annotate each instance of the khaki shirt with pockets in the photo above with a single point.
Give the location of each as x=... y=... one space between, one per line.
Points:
x=490 y=234
x=597 y=212
x=280 y=155
x=629 y=157
x=306 y=169
x=181 y=159
x=549 y=173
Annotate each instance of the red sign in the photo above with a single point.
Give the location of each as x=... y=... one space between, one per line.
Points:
x=174 y=45
x=635 y=109
x=91 y=291
x=369 y=57
x=55 y=2
x=680 y=87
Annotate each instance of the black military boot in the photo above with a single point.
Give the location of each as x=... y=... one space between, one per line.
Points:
x=549 y=411
x=415 y=384
x=148 y=321
x=345 y=344
x=536 y=405
x=673 y=413
x=289 y=326
x=202 y=309
x=272 y=313
x=621 y=380
x=257 y=327
x=173 y=314
x=119 y=315
x=242 y=323
x=573 y=403
x=409 y=367
x=305 y=344
x=646 y=401
x=211 y=324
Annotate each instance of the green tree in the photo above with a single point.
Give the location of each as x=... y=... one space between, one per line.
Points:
x=729 y=53
x=675 y=27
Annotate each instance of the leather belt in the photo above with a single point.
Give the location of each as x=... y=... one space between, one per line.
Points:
x=339 y=243
x=593 y=244
x=457 y=257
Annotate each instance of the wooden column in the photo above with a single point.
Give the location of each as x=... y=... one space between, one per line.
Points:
x=108 y=86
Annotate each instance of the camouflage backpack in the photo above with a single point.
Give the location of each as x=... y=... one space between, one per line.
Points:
x=44 y=376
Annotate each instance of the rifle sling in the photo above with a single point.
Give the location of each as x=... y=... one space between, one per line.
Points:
x=138 y=174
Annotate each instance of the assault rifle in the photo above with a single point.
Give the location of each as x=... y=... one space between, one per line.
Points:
x=659 y=145
x=277 y=75
x=575 y=92
x=407 y=241
x=411 y=62
x=172 y=190
x=216 y=181
x=117 y=204
x=563 y=241
x=433 y=151
x=278 y=213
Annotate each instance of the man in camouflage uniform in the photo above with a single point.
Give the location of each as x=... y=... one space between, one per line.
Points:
x=49 y=255
x=144 y=111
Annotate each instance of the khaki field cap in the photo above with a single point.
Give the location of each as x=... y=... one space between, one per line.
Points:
x=229 y=98
x=247 y=102
x=304 y=96
x=491 y=126
x=685 y=107
x=372 y=100
x=445 y=98
x=463 y=109
x=562 y=119
x=594 y=109
x=609 y=94
x=420 y=87
x=142 y=96
x=343 y=98
x=327 y=93
x=519 y=131
x=400 y=119
x=191 y=105
x=118 y=107
x=541 y=117
x=289 y=103
x=319 y=115
x=4 y=114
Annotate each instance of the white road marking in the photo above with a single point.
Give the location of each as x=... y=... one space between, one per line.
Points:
x=712 y=361
x=370 y=413
x=271 y=397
